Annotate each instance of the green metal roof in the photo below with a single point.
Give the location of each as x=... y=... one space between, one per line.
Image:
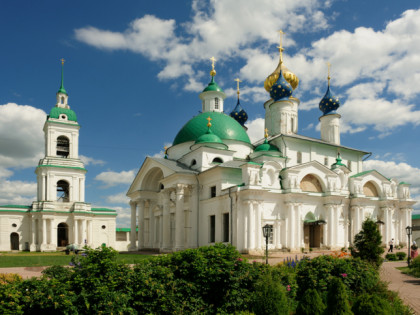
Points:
x=404 y=183
x=213 y=86
x=223 y=126
x=209 y=137
x=125 y=229
x=366 y=172
x=57 y=111
x=415 y=217
x=266 y=147
x=103 y=210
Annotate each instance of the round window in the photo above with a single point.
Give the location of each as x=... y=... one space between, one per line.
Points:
x=14 y=225
x=103 y=227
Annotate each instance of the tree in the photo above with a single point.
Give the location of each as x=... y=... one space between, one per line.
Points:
x=310 y=304
x=337 y=298
x=367 y=243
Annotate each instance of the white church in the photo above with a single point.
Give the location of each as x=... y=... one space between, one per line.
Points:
x=60 y=216
x=214 y=185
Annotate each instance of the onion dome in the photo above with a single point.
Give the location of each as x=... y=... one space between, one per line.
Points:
x=289 y=76
x=238 y=113
x=225 y=127
x=266 y=146
x=57 y=112
x=281 y=89
x=337 y=162
x=329 y=103
x=62 y=89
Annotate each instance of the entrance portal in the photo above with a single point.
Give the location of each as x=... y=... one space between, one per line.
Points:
x=313 y=232
x=14 y=241
x=62 y=235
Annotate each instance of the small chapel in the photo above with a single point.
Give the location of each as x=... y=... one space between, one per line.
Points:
x=60 y=216
x=213 y=185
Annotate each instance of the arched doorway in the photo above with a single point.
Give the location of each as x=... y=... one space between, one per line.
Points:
x=62 y=235
x=14 y=241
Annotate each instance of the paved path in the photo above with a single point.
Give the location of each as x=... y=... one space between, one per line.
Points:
x=408 y=287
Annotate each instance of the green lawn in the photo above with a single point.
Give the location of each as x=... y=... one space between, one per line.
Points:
x=36 y=259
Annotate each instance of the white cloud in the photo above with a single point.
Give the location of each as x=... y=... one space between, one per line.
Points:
x=123 y=216
x=21 y=135
x=17 y=192
x=255 y=129
x=118 y=198
x=88 y=160
x=111 y=178
x=161 y=153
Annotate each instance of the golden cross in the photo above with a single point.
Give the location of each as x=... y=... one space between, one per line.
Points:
x=237 y=85
x=281 y=45
x=62 y=61
x=165 y=148
x=266 y=133
x=212 y=62
x=328 y=65
x=209 y=123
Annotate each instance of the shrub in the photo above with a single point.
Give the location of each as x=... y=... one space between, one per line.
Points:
x=337 y=299
x=10 y=295
x=401 y=255
x=310 y=303
x=391 y=257
x=367 y=243
x=269 y=297
x=57 y=272
x=371 y=304
x=415 y=267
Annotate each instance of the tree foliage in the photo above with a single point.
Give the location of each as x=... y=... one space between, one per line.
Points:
x=368 y=243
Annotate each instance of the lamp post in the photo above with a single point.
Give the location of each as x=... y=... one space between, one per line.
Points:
x=266 y=232
x=409 y=231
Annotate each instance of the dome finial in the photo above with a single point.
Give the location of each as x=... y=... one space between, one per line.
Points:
x=166 y=151
x=237 y=86
x=329 y=77
x=266 y=133
x=62 y=89
x=209 y=123
x=212 y=72
x=281 y=49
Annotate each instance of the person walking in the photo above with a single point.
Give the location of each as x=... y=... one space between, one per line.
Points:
x=391 y=245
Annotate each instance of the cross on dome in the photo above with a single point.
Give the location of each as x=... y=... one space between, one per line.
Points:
x=209 y=123
x=212 y=72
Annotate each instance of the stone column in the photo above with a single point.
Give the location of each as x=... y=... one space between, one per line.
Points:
x=76 y=231
x=330 y=224
x=251 y=224
x=44 y=233
x=179 y=217
x=386 y=225
x=299 y=226
x=166 y=224
x=278 y=234
x=84 y=236
x=152 y=205
x=194 y=216
x=140 y=241
x=258 y=225
x=133 y=236
x=290 y=225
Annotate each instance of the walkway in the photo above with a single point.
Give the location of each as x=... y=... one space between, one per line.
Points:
x=407 y=287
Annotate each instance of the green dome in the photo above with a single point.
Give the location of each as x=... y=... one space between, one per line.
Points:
x=57 y=111
x=208 y=137
x=223 y=126
x=213 y=86
x=266 y=147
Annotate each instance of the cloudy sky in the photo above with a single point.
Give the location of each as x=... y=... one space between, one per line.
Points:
x=134 y=70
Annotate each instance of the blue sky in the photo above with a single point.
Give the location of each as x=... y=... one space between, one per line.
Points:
x=134 y=70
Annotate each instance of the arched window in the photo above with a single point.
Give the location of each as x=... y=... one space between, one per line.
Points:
x=349 y=165
x=326 y=161
x=193 y=162
x=62 y=100
x=63 y=147
x=311 y=184
x=217 y=160
x=63 y=191
x=369 y=190
x=216 y=103
x=299 y=157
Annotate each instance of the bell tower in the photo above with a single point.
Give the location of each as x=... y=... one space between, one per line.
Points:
x=61 y=174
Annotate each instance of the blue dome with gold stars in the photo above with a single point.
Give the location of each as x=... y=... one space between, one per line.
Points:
x=239 y=114
x=281 y=89
x=329 y=103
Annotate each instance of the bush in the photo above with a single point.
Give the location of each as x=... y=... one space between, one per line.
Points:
x=415 y=267
x=269 y=296
x=368 y=243
x=370 y=304
x=337 y=299
x=310 y=303
x=391 y=257
x=401 y=255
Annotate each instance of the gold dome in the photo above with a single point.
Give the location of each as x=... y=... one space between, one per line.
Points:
x=287 y=74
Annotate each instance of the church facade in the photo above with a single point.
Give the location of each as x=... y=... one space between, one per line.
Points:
x=60 y=216
x=214 y=185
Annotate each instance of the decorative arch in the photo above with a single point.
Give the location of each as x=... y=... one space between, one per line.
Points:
x=310 y=183
x=151 y=181
x=63 y=146
x=217 y=160
x=370 y=190
x=63 y=191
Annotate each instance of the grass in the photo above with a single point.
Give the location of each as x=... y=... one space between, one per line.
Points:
x=37 y=259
